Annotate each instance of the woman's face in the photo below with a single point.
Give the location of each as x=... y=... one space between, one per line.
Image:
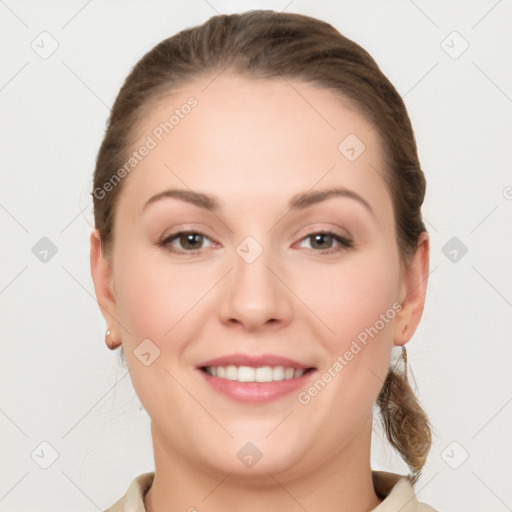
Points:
x=257 y=276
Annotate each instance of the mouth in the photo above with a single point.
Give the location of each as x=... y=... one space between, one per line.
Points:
x=255 y=378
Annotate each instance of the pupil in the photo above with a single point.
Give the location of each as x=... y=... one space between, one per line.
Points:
x=190 y=238
x=316 y=237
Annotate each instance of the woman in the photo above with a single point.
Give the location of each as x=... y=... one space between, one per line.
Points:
x=259 y=250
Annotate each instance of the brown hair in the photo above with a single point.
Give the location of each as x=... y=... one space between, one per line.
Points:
x=269 y=44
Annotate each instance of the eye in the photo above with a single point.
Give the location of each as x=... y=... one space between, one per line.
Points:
x=190 y=241
x=322 y=242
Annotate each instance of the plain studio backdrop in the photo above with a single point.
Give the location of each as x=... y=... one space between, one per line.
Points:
x=73 y=432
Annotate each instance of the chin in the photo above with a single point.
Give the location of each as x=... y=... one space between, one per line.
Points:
x=246 y=460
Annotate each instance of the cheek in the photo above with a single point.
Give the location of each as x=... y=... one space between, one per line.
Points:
x=352 y=296
x=358 y=302
x=157 y=299
x=341 y=400
x=153 y=299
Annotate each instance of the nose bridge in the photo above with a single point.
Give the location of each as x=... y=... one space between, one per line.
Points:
x=254 y=295
x=251 y=265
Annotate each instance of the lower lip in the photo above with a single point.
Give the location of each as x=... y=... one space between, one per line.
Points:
x=255 y=391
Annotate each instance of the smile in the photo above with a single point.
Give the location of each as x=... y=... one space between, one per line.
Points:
x=258 y=374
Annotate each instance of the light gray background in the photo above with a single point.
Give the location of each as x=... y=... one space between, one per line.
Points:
x=62 y=386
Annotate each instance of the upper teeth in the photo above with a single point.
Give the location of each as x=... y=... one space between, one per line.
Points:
x=249 y=374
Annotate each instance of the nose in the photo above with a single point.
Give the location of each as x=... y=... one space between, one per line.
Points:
x=255 y=296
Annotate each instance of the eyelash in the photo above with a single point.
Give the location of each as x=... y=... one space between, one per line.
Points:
x=165 y=243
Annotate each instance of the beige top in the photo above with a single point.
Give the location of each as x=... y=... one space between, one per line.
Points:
x=396 y=491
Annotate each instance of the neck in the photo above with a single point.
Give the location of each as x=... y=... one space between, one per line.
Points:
x=341 y=484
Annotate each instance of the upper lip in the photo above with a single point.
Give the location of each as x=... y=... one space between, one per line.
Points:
x=254 y=361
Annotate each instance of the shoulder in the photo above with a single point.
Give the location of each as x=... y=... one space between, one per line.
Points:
x=397 y=493
x=133 y=500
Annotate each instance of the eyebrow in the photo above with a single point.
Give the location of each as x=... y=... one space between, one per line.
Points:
x=297 y=202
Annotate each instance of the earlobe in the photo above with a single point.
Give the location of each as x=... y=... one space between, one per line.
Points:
x=414 y=289
x=111 y=343
x=101 y=272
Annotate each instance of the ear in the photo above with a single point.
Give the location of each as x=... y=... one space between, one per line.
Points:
x=101 y=271
x=413 y=291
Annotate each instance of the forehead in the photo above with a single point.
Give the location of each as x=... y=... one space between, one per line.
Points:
x=259 y=136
